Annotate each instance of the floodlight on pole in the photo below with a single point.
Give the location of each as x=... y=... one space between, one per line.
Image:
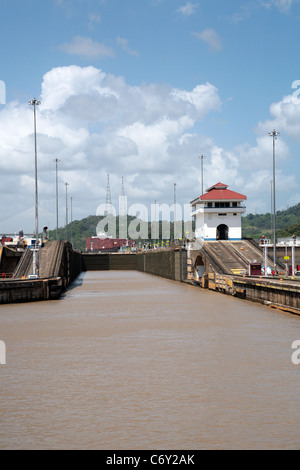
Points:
x=274 y=134
x=174 y=209
x=56 y=161
x=71 y=220
x=35 y=103
x=66 y=184
x=271 y=183
x=202 y=158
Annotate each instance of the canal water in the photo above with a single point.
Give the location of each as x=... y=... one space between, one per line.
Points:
x=126 y=360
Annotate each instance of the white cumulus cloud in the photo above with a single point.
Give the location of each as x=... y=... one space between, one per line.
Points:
x=96 y=123
x=285 y=116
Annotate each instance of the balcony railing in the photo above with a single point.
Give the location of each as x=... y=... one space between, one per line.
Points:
x=216 y=210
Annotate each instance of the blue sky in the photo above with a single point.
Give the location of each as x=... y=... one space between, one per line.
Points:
x=140 y=89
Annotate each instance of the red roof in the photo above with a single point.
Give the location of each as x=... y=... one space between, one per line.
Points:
x=220 y=192
x=218 y=186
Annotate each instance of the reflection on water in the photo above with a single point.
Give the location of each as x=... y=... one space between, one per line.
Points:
x=131 y=361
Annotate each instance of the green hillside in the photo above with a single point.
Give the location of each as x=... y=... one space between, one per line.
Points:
x=253 y=225
x=79 y=230
x=287 y=223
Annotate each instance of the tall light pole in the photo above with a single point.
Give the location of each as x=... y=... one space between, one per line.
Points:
x=274 y=134
x=174 y=211
x=35 y=103
x=67 y=184
x=71 y=220
x=202 y=158
x=271 y=183
x=56 y=160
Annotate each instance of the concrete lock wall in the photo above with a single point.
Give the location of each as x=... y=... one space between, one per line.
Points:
x=122 y=262
x=23 y=291
x=107 y=261
x=75 y=262
x=274 y=293
x=9 y=260
x=97 y=262
x=158 y=263
x=168 y=264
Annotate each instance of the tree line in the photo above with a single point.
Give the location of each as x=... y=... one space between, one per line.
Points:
x=253 y=226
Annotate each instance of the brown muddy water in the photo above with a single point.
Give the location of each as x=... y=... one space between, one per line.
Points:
x=126 y=360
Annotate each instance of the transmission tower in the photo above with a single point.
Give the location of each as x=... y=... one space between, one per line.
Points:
x=108 y=204
x=122 y=205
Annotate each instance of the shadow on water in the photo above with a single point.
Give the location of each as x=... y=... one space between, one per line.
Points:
x=76 y=283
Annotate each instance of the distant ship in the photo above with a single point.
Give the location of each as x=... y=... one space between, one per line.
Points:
x=99 y=244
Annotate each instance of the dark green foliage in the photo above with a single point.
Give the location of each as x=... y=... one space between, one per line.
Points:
x=287 y=224
x=253 y=226
x=79 y=230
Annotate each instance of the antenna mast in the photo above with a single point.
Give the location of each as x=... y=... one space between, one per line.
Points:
x=108 y=203
x=123 y=205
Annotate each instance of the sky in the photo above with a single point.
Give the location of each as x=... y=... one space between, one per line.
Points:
x=140 y=89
